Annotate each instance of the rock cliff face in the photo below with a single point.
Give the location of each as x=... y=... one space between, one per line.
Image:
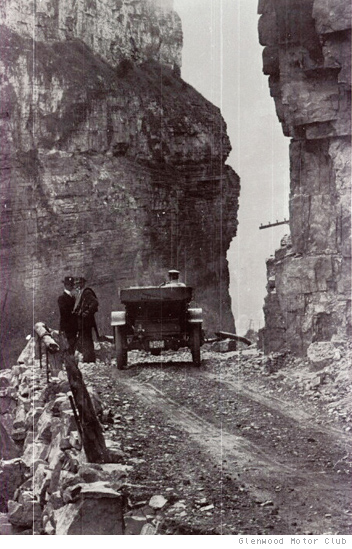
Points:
x=111 y=166
x=307 y=56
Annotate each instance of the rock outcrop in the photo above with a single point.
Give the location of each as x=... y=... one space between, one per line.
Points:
x=112 y=167
x=307 y=56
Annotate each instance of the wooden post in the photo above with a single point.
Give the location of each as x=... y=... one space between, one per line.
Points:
x=92 y=434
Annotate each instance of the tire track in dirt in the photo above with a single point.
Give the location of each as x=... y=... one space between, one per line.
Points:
x=314 y=500
x=302 y=418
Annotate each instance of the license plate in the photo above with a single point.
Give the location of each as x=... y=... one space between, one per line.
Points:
x=156 y=344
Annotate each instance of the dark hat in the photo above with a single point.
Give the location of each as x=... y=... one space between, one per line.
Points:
x=69 y=281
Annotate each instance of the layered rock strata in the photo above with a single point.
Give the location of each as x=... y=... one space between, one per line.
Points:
x=112 y=167
x=307 y=56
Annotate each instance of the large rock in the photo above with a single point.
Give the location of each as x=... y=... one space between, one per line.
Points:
x=5 y=379
x=7 y=403
x=5 y=526
x=25 y=514
x=321 y=354
x=308 y=59
x=98 y=512
x=12 y=475
x=28 y=354
x=332 y=15
x=34 y=452
x=8 y=449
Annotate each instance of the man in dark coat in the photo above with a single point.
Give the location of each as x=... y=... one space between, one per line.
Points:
x=68 y=321
x=85 y=307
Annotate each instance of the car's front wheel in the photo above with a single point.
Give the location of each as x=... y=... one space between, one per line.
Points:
x=121 y=347
x=195 y=339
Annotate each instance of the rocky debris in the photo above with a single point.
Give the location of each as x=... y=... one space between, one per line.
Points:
x=51 y=485
x=321 y=354
x=176 y=490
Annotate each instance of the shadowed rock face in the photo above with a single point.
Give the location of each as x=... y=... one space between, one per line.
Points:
x=307 y=56
x=112 y=166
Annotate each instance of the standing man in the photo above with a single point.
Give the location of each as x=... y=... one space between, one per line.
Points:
x=85 y=308
x=68 y=321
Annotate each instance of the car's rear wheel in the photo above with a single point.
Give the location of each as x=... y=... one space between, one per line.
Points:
x=195 y=343
x=121 y=347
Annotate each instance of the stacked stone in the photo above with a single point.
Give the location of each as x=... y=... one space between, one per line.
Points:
x=47 y=485
x=308 y=59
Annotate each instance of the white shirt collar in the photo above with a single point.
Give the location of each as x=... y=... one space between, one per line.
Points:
x=67 y=292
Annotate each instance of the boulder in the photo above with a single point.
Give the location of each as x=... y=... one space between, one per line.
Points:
x=54 y=453
x=134 y=523
x=8 y=449
x=7 y=421
x=98 y=512
x=33 y=416
x=24 y=514
x=75 y=440
x=18 y=434
x=224 y=346
x=44 y=427
x=55 y=500
x=321 y=354
x=41 y=480
x=5 y=525
x=28 y=353
x=116 y=470
x=90 y=474
x=157 y=502
x=34 y=452
x=12 y=475
x=20 y=417
x=5 y=378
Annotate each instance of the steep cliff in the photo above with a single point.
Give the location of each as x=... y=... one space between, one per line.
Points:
x=307 y=56
x=111 y=166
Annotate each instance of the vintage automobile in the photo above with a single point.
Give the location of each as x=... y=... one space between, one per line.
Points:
x=156 y=319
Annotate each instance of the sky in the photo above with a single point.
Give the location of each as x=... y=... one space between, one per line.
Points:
x=222 y=59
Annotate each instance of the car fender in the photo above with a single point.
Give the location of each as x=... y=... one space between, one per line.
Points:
x=118 y=318
x=195 y=316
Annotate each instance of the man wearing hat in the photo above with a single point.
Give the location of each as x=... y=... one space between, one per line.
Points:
x=174 y=279
x=85 y=307
x=68 y=321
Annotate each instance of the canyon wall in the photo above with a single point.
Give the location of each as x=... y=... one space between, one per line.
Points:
x=307 y=56
x=112 y=167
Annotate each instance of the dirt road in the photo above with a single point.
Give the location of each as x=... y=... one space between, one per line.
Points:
x=228 y=456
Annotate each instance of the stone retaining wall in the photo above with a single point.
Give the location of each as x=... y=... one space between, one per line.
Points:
x=48 y=487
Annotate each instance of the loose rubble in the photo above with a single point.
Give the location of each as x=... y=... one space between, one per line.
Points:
x=50 y=487
x=154 y=489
